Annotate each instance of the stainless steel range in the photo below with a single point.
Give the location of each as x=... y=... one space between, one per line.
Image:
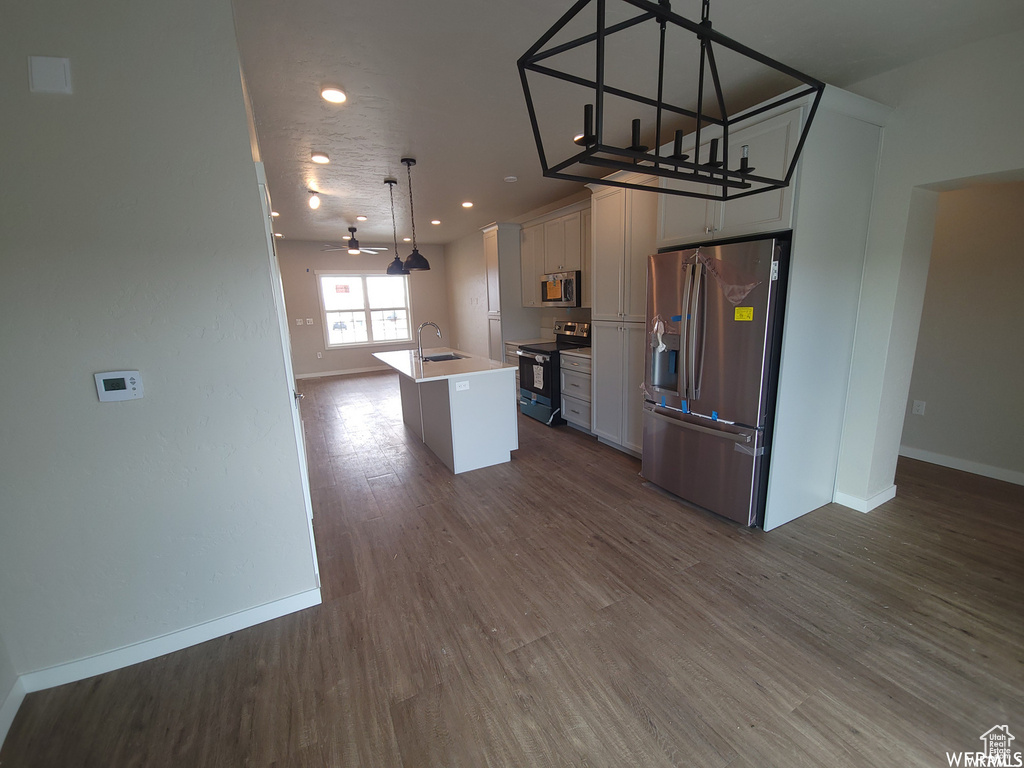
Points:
x=539 y=380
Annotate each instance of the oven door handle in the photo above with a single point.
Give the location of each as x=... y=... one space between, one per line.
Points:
x=534 y=355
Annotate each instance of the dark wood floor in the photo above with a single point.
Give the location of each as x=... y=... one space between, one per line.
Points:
x=553 y=611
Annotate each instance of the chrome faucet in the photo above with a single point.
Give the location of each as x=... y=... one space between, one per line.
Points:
x=419 y=337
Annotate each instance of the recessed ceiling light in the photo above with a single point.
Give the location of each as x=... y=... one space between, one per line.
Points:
x=511 y=179
x=406 y=239
x=436 y=221
x=333 y=94
x=278 y=234
x=467 y=204
x=314 y=200
x=275 y=214
x=320 y=157
x=346 y=237
x=360 y=218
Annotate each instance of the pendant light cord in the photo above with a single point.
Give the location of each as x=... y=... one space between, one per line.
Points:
x=394 y=226
x=412 y=213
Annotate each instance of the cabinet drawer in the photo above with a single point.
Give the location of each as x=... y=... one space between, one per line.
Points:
x=576 y=411
x=576 y=385
x=576 y=363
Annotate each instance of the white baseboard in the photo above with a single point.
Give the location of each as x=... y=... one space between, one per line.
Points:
x=321 y=374
x=9 y=708
x=864 y=505
x=975 y=468
x=158 y=646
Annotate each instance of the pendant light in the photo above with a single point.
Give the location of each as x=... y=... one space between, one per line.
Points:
x=395 y=267
x=353 y=244
x=667 y=99
x=415 y=261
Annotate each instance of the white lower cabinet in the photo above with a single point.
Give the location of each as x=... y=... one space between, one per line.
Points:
x=576 y=389
x=618 y=373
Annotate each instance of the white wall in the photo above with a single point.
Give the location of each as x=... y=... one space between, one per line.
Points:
x=958 y=116
x=467 y=292
x=300 y=260
x=133 y=238
x=969 y=363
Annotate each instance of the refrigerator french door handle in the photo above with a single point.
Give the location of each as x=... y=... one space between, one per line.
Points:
x=733 y=436
x=684 y=370
x=691 y=344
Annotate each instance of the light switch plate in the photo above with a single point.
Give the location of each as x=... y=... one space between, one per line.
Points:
x=49 y=74
x=461 y=386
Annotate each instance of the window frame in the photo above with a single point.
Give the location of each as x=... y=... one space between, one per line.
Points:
x=320 y=274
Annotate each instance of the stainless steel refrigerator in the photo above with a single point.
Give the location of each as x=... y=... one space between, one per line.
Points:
x=714 y=329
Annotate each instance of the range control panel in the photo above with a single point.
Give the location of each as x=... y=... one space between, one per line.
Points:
x=579 y=330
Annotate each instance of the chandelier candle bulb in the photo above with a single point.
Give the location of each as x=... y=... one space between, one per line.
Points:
x=713 y=160
x=745 y=160
x=587 y=137
x=677 y=147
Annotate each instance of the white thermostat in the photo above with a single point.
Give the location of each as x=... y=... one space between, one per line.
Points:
x=118 y=385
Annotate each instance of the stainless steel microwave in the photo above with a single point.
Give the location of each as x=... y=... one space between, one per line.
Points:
x=560 y=289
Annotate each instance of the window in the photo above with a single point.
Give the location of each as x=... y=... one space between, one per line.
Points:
x=364 y=309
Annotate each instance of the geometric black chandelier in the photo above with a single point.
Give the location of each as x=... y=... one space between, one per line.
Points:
x=618 y=87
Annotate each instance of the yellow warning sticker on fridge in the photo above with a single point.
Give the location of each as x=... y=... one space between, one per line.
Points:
x=744 y=313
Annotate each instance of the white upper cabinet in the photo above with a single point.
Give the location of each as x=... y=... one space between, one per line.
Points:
x=587 y=260
x=624 y=226
x=555 y=243
x=493 y=279
x=563 y=244
x=770 y=145
x=532 y=246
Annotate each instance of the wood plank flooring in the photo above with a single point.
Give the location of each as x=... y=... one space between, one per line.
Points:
x=554 y=611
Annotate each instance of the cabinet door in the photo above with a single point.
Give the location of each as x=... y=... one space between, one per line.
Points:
x=586 y=257
x=491 y=261
x=684 y=220
x=495 y=346
x=606 y=380
x=572 y=251
x=771 y=144
x=642 y=216
x=530 y=269
x=554 y=246
x=633 y=338
x=608 y=252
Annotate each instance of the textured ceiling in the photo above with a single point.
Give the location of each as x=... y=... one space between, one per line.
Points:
x=437 y=81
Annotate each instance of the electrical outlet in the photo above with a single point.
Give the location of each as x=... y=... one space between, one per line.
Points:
x=461 y=386
x=918 y=407
x=319 y=355
x=309 y=321
x=298 y=321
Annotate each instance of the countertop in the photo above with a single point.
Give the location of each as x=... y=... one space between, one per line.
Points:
x=528 y=341
x=577 y=351
x=407 y=363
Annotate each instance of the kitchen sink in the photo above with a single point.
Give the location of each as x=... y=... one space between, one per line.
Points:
x=442 y=358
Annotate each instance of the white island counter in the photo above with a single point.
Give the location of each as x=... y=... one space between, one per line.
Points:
x=464 y=409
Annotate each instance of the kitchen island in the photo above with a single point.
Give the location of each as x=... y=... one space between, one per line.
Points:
x=462 y=406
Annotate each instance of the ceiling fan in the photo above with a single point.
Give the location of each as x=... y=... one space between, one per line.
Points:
x=352 y=246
